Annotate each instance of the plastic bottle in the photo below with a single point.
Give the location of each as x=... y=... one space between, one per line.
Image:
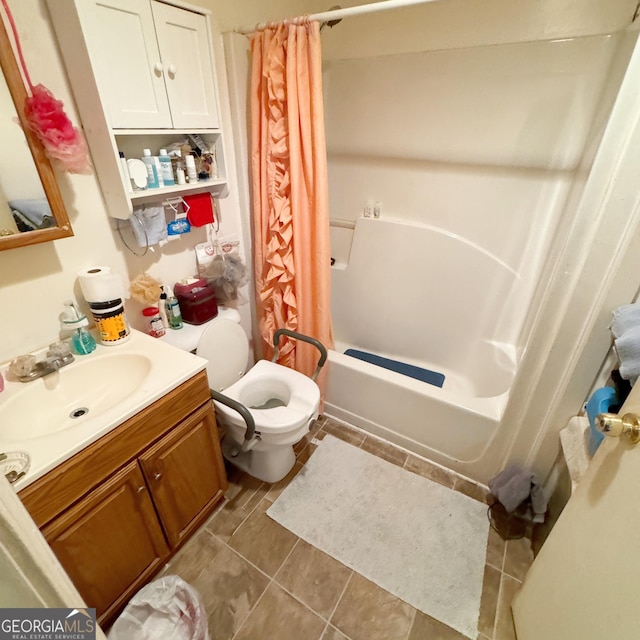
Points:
x=190 y=163
x=162 y=306
x=174 y=316
x=166 y=170
x=82 y=341
x=158 y=166
x=180 y=174
x=155 y=326
x=125 y=170
x=152 y=172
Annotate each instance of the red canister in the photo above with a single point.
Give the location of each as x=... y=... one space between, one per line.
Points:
x=197 y=300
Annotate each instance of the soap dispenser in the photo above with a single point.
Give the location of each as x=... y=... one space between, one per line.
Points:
x=72 y=320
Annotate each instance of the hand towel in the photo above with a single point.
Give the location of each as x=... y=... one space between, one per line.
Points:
x=516 y=484
x=149 y=226
x=624 y=318
x=628 y=350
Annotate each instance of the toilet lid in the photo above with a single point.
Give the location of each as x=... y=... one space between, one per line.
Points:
x=225 y=346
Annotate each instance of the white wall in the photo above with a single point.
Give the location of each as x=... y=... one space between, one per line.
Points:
x=35 y=280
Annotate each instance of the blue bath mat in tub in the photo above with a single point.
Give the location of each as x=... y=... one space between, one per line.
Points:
x=424 y=375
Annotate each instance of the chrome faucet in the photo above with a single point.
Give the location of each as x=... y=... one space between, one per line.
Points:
x=25 y=368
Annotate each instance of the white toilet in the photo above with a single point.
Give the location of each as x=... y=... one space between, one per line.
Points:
x=281 y=402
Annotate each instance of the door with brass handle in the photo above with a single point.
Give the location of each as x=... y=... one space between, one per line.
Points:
x=611 y=424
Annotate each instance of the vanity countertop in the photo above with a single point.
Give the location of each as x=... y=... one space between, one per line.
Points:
x=113 y=383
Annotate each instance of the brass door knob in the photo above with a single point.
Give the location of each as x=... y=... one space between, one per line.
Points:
x=611 y=424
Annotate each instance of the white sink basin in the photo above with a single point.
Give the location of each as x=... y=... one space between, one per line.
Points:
x=75 y=393
x=53 y=417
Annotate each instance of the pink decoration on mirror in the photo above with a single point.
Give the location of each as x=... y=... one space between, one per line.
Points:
x=45 y=116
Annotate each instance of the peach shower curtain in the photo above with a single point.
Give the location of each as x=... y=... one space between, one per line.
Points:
x=290 y=192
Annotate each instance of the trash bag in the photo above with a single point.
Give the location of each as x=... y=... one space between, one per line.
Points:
x=166 y=609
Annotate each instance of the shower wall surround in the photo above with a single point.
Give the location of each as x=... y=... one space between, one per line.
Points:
x=485 y=142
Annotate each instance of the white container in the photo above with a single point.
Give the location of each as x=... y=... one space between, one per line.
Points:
x=190 y=163
x=125 y=170
x=111 y=321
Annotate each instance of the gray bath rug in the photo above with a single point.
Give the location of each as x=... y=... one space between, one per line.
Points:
x=420 y=541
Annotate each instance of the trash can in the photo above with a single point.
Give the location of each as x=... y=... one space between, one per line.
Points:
x=519 y=501
x=166 y=609
x=511 y=526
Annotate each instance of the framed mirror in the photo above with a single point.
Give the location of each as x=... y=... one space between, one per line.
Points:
x=31 y=206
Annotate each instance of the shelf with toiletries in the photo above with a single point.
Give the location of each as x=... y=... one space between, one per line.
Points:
x=155 y=89
x=132 y=143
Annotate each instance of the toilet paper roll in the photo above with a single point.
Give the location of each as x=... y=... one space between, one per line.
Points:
x=98 y=284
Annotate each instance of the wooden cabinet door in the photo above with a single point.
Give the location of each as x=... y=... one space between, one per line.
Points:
x=110 y=542
x=185 y=474
x=185 y=49
x=122 y=44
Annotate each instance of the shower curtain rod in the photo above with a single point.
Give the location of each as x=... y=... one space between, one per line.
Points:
x=338 y=14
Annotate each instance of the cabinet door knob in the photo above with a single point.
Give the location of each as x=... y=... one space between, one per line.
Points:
x=172 y=70
x=157 y=476
x=158 y=68
x=141 y=489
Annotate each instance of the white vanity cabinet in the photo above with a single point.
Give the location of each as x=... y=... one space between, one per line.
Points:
x=143 y=76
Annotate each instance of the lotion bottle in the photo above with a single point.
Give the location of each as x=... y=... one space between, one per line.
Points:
x=152 y=172
x=190 y=163
x=166 y=169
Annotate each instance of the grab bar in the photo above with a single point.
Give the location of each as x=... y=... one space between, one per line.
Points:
x=299 y=336
x=343 y=224
x=245 y=414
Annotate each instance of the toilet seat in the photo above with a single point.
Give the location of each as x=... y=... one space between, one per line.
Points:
x=267 y=381
x=280 y=399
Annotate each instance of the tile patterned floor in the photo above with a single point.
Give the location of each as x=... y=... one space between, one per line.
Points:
x=259 y=581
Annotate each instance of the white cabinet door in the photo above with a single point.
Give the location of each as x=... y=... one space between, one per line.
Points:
x=188 y=72
x=124 y=53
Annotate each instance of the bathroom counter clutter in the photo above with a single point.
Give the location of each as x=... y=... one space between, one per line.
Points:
x=56 y=416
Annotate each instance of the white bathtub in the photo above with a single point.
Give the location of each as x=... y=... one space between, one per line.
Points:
x=419 y=295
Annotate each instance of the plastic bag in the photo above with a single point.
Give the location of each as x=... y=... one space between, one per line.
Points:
x=222 y=266
x=227 y=274
x=166 y=609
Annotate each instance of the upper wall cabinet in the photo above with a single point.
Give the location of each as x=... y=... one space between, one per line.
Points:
x=143 y=76
x=152 y=63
